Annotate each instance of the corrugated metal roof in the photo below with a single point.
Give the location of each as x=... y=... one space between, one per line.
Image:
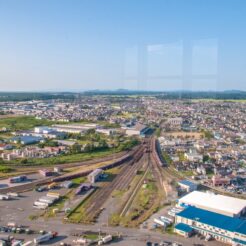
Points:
x=183 y=227
x=214 y=203
x=214 y=219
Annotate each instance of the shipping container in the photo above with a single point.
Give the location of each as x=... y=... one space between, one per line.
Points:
x=53 y=194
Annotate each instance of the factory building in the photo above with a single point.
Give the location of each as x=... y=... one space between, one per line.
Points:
x=137 y=130
x=74 y=128
x=229 y=206
x=212 y=225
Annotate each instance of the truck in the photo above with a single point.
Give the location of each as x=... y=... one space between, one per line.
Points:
x=13 y=194
x=171 y=220
x=105 y=239
x=37 y=204
x=52 y=186
x=28 y=243
x=166 y=220
x=53 y=194
x=11 y=224
x=160 y=222
x=44 y=238
x=4 y=197
x=208 y=238
x=16 y=243
x=176 y=210
x=20 y=230
x=47 y=200
x=170 y=213
x=40 y=188
x=42 y=207
x=18 y=179
x=81 y=241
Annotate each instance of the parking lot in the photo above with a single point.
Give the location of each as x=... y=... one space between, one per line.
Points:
x=21 y=208
x=4 y=183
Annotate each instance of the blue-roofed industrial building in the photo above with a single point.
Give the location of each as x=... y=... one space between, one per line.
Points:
x=183 y=229
x=220 y=227
x=229 y=206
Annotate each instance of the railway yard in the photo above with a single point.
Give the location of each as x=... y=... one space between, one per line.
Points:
x=123 y=197
x=134 y=186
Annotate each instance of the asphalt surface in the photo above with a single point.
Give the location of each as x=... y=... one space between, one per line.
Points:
x=19 y=209
x=133 y=236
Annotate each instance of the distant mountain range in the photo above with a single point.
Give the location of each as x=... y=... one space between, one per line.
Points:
x=181 y=94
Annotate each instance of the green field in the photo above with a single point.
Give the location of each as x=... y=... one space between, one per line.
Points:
x=4 y=169
x=19 y=123
x=218 y=100
x=62 y=158
x=23 y=123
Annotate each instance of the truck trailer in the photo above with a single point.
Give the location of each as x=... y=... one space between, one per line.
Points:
x=44 y=238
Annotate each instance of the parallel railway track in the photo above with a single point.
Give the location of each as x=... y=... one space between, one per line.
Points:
x=29 y=186
x=121 y=181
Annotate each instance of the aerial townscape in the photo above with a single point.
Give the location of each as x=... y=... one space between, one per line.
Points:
x=129 y=169
x=122 y=123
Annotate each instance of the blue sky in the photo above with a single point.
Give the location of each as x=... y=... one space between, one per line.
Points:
x=131 y=44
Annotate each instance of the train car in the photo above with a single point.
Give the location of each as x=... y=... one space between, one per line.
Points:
x=52 y=185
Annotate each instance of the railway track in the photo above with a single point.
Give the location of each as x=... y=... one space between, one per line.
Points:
x=75 y=174
x=136 y=189
x=125 y=176
x=25 y=187
x=157 y=168
x=128 y=176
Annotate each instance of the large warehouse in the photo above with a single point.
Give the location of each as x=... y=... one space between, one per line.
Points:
x=212 y=225
x=225 y=205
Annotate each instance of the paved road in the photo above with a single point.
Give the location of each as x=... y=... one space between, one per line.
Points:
x=136 y=236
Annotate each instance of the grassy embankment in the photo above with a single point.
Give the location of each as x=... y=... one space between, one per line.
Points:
x=146 y=202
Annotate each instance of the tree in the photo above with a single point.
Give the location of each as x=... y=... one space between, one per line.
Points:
x=24 y=161
x=103 y=144
x=158 y=132
x=91 y=131
x=75 y=149
x=205 y=158
x=88 y=147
